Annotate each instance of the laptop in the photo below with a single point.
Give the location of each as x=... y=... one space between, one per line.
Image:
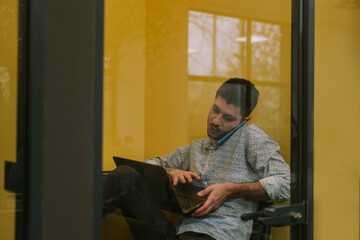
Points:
x=181 y=199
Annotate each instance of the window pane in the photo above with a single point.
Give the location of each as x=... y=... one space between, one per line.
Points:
x=164 y=61
x=201 y=41
x=265 y=50
x=230 y=49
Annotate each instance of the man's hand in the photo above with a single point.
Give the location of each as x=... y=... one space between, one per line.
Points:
x=218 y=193
x=177 y=175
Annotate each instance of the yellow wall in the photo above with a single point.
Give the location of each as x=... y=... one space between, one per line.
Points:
x=337 y=119
x=124 y=81
x=8 y=109
x=166 y=77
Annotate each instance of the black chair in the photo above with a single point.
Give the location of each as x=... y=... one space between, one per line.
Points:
x=260 y=231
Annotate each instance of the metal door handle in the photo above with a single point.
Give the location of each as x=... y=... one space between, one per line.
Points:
x=279 y=215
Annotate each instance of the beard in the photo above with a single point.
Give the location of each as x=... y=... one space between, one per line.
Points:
x=214 y=132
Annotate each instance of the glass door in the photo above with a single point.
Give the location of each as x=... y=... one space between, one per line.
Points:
x=163 y=62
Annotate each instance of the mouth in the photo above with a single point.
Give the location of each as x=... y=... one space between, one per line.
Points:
x=212 y=129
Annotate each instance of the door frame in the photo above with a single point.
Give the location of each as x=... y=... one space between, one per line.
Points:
x=43 y=133
x=302 y=114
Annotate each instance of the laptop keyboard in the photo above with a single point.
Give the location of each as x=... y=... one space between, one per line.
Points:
x=188 y=202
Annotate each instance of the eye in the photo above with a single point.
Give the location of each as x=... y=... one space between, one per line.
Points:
x=216 y=110
x=228 y=118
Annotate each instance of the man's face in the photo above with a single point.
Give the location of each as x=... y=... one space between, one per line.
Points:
x=222 y=118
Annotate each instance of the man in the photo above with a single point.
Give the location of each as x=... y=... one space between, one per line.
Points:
x=237 y=164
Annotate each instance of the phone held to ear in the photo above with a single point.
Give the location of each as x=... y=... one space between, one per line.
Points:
x=222 y=140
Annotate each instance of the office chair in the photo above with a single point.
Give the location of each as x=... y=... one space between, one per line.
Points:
x=259 y=231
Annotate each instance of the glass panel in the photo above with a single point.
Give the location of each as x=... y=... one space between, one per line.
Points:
x=201 y=41
x=164 y=61
x=336 y=119
x=8 y=110
x=265 y=51
x=229 y=49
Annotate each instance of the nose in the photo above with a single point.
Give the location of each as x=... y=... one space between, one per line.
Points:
x=217 y=120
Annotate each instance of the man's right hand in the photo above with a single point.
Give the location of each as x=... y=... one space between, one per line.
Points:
x=177 y=175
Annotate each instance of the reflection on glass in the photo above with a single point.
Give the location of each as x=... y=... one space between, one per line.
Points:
x=201 y=43
x=223 y=46
x=265 y=52
x=214 y=45
x=230 y=52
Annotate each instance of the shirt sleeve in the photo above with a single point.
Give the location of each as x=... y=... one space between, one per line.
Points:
x=177 y=159
x=265 y=159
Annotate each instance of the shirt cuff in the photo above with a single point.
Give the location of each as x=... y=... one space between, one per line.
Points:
x=277 y=188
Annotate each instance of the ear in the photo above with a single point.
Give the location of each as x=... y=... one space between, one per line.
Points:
x=247 y=118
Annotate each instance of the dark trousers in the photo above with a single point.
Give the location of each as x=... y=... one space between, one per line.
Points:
x=125 y=188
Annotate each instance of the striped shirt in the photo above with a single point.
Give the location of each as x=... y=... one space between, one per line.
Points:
x=248 y=155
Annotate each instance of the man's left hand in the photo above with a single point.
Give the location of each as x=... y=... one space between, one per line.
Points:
x=218 y=193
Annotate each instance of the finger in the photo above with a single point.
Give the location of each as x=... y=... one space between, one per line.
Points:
x=195 y=175
x=199 y=211
x=248 y=118
x=189 y=178
x=206 y=212
x=175 y=181
x=182 y=179
x=206 y=208
x=205 y=191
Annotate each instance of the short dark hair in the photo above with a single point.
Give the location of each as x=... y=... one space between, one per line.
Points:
x=241 y=93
